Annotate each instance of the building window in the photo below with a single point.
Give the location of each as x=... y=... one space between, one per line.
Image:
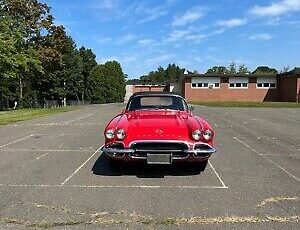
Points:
x=217 y=85
x=194 y=85
x=238 y=85
x=205 y=85
x=199 y=85
x=266 y=85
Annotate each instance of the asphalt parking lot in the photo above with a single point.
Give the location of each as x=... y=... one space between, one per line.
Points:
x=52 y=175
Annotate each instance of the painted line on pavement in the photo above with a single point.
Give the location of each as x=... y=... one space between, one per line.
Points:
x=84 y=163
x=42 y=156
x=46 y=150
x=80 y=118
x=223 y=184
x=277 y=165
x=10 y=143
x=112 y=186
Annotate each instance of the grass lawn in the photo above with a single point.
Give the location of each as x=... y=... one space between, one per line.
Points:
x=249 y=104
x=11 y=116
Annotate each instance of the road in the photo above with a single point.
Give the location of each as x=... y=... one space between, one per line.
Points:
x=52 y=175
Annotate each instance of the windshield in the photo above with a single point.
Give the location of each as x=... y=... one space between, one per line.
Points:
x=156 y=102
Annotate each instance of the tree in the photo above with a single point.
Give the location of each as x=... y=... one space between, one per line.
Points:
x=18 y=58
x=161 y=75
x=264 y=70
x=217 y=70
x=89 y=62
x=232 y=68
x=107 y=83
x=285 y=69
x=243 y=69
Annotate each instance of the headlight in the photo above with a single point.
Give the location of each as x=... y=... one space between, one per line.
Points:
x=197 y=135
x=207 y=135
x=121 y=134
x=110 y=134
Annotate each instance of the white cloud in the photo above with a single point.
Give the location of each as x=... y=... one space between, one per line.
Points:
x=189 y=16
x=276 y=8
x=107 y=4
x=234 y=22
x=178 y=35
x=146 y=41
x=145 y=12
x=153 y=14
x=159 y=59
x=261 y=37
x=103 y=40
x=125 y=39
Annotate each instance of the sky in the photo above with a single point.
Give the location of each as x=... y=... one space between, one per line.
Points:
x=194 y=34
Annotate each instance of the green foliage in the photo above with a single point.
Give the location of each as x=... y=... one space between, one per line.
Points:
x=265 y=70
x=161 y=75
x=38 y=60
x=285 y=69
x=107 y=83
x=243 y=69
x=232 y=68
x=217 y=70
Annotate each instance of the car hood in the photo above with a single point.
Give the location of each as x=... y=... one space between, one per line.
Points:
x=162 y=125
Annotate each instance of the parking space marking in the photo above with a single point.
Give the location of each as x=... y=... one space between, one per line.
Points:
x=68 y=178
x=265 y=156
x=271 y=154
x=47 y=150
x=10 y=143
x=223 y=184
x=80 y=118
x=113 y=186
x=42 y=156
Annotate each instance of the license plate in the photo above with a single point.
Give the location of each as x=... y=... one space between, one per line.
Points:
x=165 y=159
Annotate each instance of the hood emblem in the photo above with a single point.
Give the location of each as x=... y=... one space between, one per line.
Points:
x=158 y=131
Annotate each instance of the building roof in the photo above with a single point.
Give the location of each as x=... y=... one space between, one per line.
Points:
x=156 y=93
x=230 y=75
x=295 y=71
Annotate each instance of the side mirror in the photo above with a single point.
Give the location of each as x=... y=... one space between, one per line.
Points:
x=191 y=108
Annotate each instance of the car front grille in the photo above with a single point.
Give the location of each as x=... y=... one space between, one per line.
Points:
x=175 y=148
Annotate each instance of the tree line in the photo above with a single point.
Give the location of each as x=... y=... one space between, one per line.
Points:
x=173 y=73
x=39 y=61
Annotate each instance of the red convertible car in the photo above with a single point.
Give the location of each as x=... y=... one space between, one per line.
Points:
x=158 y=128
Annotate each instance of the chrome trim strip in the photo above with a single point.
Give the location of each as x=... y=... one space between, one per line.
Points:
x=199 y=151
x=158 y=141
x=117 y=151
x=159 y=150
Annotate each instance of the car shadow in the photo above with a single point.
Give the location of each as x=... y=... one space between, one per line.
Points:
x=141 y=170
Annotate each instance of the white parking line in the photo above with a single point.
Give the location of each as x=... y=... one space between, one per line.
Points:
x=77 y=119
x=112 y=186
x=66 y=180
x=10 y=143
x=46 y=150
x=223 y=184
x=280 y=167
x=42 y=156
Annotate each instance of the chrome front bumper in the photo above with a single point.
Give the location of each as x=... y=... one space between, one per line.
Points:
x=197 y=154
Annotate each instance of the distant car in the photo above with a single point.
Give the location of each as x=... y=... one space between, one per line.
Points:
x=158 y=128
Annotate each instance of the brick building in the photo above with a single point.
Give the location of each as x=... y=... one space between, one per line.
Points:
x=227 y=87
x=242 y=87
